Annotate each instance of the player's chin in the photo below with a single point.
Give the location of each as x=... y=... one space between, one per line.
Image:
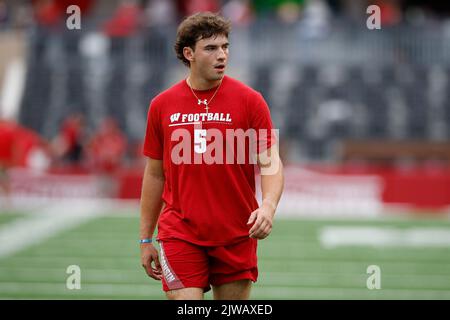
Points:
x=219 y=73
x=217 y=77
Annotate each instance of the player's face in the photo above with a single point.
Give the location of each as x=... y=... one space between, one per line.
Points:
x=211 y=57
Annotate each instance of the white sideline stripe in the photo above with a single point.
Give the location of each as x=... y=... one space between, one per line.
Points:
x=307 y=293
x=338 y=236
x=86 y=288
x=124 y=276
x=32 y=288
x=24 y=232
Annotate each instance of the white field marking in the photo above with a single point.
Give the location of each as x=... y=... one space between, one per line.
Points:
x=280 y=292
x=24 y=232
x=42 y=261
x=112 y=207
x=338 y=236
x=290 y=279
x=24 y=288
x=305 y=293
x=266 y=277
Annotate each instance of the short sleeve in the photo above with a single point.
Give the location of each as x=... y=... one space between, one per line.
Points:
x=153 y=142
x=260 y=120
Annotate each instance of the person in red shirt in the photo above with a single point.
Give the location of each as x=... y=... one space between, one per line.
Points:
x=107 y=147
x=205 y=137
x=68 y=145
x=20 y=147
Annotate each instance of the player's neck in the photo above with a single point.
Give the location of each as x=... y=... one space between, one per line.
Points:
x=199 y=83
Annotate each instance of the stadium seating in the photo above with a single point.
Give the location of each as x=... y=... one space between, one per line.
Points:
x=323 y=105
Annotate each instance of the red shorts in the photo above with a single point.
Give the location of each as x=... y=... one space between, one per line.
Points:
x=186 y=265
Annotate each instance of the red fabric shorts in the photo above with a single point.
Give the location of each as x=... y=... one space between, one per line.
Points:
x=186 y=265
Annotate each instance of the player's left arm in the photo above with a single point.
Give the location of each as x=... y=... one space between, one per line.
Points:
x=272 y=182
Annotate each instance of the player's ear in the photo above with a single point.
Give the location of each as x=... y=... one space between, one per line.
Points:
x=188 y=53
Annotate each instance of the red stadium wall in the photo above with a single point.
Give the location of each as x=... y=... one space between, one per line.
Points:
x=420 y=188
x=417 y=186
x=350 y=185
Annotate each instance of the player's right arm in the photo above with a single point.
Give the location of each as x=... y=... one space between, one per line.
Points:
x=151 y=205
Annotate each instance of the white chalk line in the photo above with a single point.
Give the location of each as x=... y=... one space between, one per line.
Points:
x=341 y=236
x=26 y=231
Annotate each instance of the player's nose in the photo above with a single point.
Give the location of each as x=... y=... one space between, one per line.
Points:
x=222 y=55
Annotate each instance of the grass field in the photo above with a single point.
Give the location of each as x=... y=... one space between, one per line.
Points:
x=293 y=263
x=8 y=217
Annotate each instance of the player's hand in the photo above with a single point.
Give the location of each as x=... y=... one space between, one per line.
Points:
x=149 y=255
x=262 y=217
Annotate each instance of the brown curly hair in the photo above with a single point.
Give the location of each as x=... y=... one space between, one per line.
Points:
x=199 y=26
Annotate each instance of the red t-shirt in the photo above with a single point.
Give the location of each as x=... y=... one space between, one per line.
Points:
x=7 y=131
x=207 y=203
x=17 y=143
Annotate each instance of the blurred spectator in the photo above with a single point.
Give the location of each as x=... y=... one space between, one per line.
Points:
x=135 y=153
x=238 y=11
x=188 y=7
x=68 y=144
x=289 y=12
x=107 y=148
x=23 y=17
x=46 y=12
x=50 y=13
x=4 y=14
x=160 y=13
x=390 y=12
x=125 y=21
x=22 y=147
x=315 y=22
x=262 y=6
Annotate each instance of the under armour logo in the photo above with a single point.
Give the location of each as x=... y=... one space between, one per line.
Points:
x=205 y=102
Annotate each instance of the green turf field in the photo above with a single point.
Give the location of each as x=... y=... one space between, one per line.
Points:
x=292 y=263
x=6 y=217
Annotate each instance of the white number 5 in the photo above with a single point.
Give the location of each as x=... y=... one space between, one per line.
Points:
x=200 y=140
